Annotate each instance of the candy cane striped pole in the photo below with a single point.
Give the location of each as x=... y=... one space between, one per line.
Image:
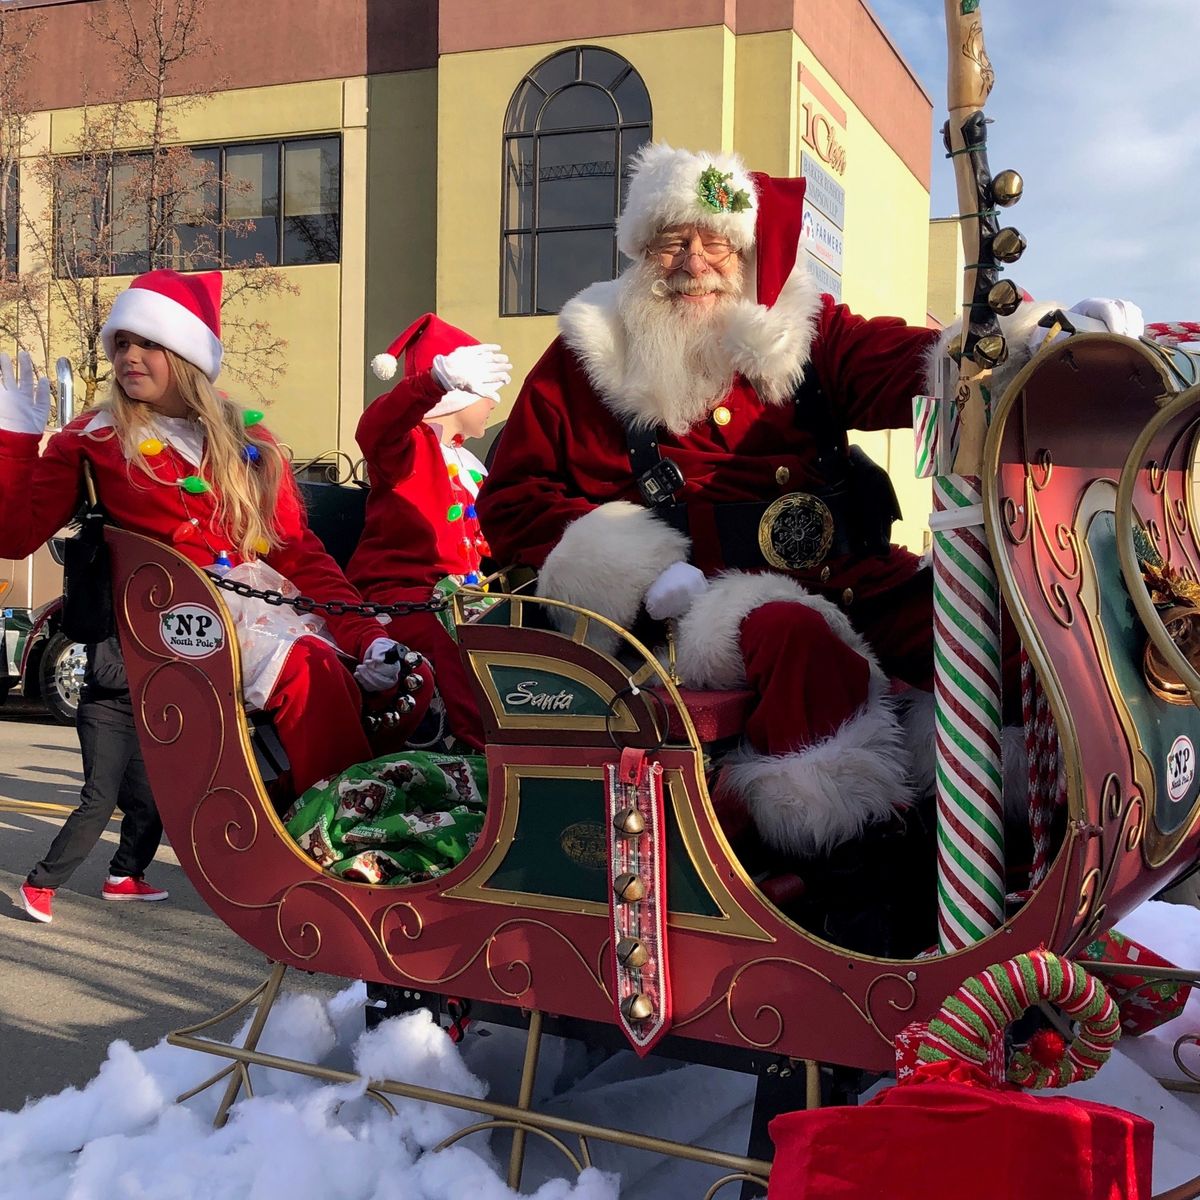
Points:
x=970 y=822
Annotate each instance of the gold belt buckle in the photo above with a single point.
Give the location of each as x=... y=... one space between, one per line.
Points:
x=795 y=532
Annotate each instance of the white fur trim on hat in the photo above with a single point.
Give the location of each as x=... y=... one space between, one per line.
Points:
x=606 y=561
x=811 y=800
x=453 y=401
x=709 y=651
x=664 y=190
x=384 y=366
x=151 y=315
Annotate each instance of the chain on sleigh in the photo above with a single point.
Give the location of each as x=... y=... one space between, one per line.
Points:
x=332 y=608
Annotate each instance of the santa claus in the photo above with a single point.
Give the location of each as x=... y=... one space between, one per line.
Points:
x=681 y=448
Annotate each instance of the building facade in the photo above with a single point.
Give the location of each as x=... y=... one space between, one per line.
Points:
x=467 y=156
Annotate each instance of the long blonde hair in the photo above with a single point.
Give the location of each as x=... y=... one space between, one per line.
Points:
x=245 y=493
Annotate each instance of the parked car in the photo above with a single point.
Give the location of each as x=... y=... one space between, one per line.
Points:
x=36 y=657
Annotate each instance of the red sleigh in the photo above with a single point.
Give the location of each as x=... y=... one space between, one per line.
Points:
x=1094 y=437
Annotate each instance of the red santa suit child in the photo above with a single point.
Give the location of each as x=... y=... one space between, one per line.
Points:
x=421 y=531
x=715 y=350
x=176 y=460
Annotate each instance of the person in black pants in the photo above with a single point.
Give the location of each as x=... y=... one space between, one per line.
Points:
x=114 y=776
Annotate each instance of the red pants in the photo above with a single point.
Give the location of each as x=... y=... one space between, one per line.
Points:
x=317 y=710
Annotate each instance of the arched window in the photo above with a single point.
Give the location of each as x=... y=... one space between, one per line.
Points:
x=570 y=128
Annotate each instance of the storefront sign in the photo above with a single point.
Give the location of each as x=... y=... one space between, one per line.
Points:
x=825 y=279
x=821 y=136
x=823 y=192
x=824 y=238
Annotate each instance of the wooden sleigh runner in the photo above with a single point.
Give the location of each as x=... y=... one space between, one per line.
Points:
x=1097 y=436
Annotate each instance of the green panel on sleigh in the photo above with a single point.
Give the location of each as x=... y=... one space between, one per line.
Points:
x=1169 y=733
x=559 y=848
x=534 y=691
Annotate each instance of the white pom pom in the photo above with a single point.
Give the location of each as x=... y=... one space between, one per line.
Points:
x=384 y=366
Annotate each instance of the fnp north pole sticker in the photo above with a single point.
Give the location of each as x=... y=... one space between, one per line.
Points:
x=192 y=631
x=1181 y=767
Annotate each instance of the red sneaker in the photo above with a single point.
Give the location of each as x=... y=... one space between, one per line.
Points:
x=130 y=887
x=36 y=902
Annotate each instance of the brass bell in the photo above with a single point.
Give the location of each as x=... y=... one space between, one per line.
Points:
x=637 y=1007
x=1007 y=188
x=632 y=953
x=990 y=351
x=1004 y=298
x=1008 y=245
x=629 y=823
x=629 y=888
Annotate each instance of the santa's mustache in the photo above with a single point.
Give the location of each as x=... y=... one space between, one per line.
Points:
x=681 y=283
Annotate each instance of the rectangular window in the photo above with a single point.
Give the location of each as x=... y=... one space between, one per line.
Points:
x=242 y=204
x=11 y=208
x=312 y=201
x=197 y=240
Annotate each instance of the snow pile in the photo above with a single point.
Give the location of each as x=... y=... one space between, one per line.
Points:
x=123 y=1137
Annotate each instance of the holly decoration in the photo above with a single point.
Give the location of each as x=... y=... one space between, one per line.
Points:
x=717 y=193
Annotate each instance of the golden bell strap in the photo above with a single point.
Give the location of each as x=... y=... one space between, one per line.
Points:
x=637 y=863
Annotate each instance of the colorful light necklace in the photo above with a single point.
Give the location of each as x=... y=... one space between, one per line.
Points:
x=473 y=545
x=197 y=485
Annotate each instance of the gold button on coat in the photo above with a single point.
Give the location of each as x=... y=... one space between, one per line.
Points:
x=721 y=415
x=782 y=475
x=825 y=573
x=847 y=597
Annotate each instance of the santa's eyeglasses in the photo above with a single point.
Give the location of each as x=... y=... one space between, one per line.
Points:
x=675 y=251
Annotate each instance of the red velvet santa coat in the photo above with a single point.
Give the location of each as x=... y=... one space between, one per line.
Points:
x=315 y=701
x=407 y=544
x=564 y=453
x=824 y=753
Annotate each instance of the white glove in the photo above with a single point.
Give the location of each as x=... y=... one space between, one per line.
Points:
x=24 y=404
x=483 y=370
x=1097 y=315
x=379 y=673
x=674 y=591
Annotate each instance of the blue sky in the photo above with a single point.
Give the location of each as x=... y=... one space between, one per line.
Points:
x=1097 y=104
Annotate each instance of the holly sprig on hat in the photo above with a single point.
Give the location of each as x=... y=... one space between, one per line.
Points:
x=717 y=193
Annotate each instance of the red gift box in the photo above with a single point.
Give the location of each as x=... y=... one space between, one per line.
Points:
x=908 y=1042
x=1144 y=1005
x=943 y=1139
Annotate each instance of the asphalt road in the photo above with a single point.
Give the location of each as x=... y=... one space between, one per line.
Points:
x=101 y=971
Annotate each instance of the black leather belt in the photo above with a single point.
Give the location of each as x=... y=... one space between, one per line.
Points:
x=794 y=532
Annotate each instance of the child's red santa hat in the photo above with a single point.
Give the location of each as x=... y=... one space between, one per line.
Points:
x=180 y=312
x=426 y=338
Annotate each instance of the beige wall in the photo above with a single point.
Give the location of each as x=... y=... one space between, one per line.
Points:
x=946 y=264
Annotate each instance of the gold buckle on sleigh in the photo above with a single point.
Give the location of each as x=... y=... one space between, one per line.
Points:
x=796 y=531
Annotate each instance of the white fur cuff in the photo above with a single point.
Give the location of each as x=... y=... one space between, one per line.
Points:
x=810 y=801
x=607 y=559
x=708 y=637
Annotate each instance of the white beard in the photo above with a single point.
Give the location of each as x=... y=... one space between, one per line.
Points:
x=677 y=366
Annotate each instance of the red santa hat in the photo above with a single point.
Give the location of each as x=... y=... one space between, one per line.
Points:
x=678 y=187
x=180 y=312
x=426 y=338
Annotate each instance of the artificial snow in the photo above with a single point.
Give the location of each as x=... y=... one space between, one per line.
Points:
x=123 y=1136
